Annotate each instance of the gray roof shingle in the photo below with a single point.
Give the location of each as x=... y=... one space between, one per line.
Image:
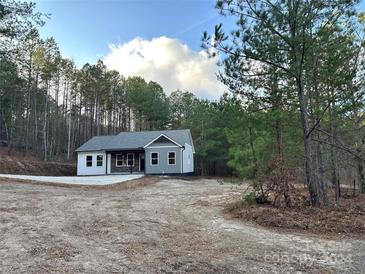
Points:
x=96 y=143
x=135 y=140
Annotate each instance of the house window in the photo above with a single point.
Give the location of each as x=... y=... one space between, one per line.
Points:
x=171 y=157
x=120 y=160
x=130 y=159
x=99 y=160
x=89 y=160
x=154 y=158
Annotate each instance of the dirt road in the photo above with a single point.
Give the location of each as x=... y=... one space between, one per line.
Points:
x=77 y=180
x=171 y=226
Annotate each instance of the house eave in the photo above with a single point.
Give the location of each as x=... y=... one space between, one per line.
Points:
x=125 y=149
x=89 y=150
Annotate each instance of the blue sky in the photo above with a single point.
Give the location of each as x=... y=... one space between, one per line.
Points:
x=159 y=40
x=84 y=29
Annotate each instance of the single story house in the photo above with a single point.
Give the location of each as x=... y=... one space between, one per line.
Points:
x=149 y=152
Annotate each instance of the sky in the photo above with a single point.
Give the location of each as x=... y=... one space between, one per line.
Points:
x=159 y=40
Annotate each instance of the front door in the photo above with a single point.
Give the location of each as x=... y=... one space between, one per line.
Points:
x=141 y=162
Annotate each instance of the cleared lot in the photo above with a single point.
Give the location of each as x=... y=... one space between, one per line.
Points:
x=169 y=226
x=77 y=180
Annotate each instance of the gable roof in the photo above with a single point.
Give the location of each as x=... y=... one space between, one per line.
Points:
x=135 y=140
x=162 y=138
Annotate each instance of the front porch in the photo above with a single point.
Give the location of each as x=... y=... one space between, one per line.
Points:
x=126 y=162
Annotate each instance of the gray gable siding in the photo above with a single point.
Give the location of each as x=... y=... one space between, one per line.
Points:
x=164 y=144
x=162 y=140
x=163 y=167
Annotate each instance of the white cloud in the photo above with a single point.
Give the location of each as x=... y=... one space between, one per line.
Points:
x=170 y=63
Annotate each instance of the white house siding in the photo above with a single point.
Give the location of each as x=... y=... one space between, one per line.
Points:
x=82 y=169
x=188 y=159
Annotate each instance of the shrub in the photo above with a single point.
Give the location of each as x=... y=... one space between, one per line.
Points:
x=259 y=191
x=236 y=205
x=250 y=198
x=278 y=182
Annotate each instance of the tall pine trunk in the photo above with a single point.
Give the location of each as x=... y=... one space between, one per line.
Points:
x=27 y=118
x=309 y=172
x=69 y=124
x=322 y=185
x=45 y=121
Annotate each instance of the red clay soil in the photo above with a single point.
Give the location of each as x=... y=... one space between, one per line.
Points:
x=347 y=218
x=32 y=166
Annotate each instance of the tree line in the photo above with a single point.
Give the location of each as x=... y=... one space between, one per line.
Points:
x=49 y=107
x=295 y=70
x=303 y=61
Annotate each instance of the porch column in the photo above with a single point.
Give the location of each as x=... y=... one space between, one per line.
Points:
x=109 y=163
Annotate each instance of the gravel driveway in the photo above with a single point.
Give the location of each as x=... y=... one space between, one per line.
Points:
x=77 y=180
x=170 y=226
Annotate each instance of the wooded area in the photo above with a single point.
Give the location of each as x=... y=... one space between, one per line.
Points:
x=295 y=70
x=304 y=61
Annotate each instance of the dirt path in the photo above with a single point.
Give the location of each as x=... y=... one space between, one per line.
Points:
x=172 y=226
x=76 y=180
